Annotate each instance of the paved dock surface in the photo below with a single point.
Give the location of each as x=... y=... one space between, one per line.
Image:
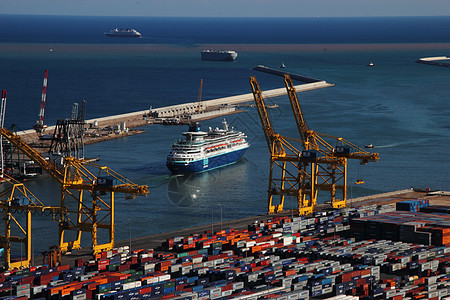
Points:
x=155 y=241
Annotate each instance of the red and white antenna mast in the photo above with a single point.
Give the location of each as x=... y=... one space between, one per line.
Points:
x=39 y=127
x=2 y=124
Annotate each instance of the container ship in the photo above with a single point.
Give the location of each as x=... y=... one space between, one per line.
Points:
x=201 y=151
x=123 y=33
x=219 y=55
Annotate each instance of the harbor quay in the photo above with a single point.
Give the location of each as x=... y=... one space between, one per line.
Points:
x=331 y=254
x=116 y=126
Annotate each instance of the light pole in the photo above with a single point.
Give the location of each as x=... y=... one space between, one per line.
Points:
x=129 y=227
x=220 y=217
x=212 y=220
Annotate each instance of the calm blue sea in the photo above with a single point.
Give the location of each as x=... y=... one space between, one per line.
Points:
x=398 y=105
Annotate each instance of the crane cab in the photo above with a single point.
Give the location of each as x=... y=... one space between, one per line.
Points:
x=342 y=151
x=309 y=156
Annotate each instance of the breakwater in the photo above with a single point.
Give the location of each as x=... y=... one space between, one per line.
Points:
x=436 y=61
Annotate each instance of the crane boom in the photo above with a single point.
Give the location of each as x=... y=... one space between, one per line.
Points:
x=75 y=179
x=46 y=165
x=307 y=137
x=262 y=112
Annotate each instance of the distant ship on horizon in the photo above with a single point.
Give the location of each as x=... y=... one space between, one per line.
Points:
x=123 y=32
x=219 y=55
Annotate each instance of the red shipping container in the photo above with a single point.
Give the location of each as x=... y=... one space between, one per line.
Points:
x=227 y=287
x=145 y=290
x=26 y=280
x=79 y=262
x=63 y=268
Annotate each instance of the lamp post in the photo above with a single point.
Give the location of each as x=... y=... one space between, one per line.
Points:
x=129 y=227
x=212 y=220
x=220 y=217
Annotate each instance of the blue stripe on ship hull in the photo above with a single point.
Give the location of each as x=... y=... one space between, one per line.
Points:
x=213 y=162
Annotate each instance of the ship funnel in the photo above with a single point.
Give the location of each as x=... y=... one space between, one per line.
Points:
x=194 y=127
x=225 y=124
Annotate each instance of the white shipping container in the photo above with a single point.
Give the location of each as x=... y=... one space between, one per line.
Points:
x=443 y=292
x=389 y=294
x=250 y=244
x=431 y=280
x=425 y=266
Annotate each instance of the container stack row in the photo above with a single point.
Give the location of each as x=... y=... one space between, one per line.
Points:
x=281 y=258
x=411 y=227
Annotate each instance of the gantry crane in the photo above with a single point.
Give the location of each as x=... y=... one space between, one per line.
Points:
x=17 y=204
x=288 y=175
x=331 y=160
x=75 y=178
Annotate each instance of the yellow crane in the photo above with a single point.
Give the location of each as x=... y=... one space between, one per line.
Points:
x=76 y=177
x=331 y=161
x=288 y=176
x=17 y=204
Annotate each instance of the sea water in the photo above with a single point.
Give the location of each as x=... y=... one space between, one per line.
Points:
x=399 y=106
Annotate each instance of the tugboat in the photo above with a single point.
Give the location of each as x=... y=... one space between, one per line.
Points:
x=370 y=64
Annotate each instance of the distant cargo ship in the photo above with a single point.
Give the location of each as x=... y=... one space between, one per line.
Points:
x=123 y=33
x=202 y=151
x=219 y=55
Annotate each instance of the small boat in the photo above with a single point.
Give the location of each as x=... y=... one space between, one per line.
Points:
x=370 y=64
x=369 y=146
x=272 y=106
x=123 y=32
x=282 y=66
x=359 y=181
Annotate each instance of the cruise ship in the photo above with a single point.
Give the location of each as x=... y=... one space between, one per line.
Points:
x=123 y=33
x=202 y=151
x=219 y=55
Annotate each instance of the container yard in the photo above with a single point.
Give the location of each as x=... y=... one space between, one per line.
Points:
x=332 y=254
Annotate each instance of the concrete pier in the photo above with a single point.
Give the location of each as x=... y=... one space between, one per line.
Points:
x=208 y=109
x=435 y=60
x=191 y=107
